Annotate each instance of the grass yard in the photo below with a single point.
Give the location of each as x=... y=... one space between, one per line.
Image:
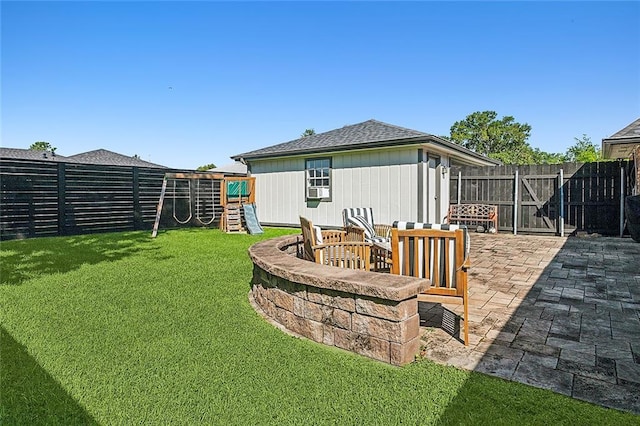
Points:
x=120 y=329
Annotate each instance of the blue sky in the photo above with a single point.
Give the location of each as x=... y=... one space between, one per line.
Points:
x=190 y=83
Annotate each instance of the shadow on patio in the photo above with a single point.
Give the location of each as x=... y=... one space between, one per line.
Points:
x=555 y=313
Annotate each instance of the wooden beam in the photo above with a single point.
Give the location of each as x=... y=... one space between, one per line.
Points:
x=193 y=176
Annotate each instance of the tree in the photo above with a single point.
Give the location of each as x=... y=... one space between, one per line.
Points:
x=504 y=139
x=42 y=146
x=206 y=167
x=308 y=132
x=542 y=157
x=584 y=151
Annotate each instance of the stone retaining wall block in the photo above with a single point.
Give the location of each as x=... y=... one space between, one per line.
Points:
x=386 y=309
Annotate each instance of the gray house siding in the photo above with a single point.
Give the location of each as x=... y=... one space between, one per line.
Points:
x=394 y=181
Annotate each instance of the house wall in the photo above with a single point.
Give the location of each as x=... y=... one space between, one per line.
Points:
x=392 y=181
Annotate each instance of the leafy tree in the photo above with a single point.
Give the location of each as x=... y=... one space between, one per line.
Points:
x=584 y=151
x=542 y=157
x=308 y=132
x=42 y=146
x=206 y=167
x=504 y=139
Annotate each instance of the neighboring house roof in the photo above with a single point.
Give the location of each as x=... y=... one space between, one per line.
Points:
x=622 y=143
x=99 y=156
x=368 y=134
x=105 y=157
x=235 y=168
x=30 y=154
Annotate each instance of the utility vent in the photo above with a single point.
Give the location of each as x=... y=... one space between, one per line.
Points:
x=318 y=192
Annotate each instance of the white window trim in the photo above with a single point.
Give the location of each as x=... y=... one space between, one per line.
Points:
x=319 y=192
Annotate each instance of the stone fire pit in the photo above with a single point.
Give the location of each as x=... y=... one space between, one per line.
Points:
x=369 y=313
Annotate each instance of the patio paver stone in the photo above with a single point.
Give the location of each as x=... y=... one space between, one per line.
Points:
x=556 y=313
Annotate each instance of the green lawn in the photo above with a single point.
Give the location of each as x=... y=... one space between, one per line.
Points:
x=121 y=328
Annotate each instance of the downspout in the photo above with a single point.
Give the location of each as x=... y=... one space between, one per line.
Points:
x=421 y=186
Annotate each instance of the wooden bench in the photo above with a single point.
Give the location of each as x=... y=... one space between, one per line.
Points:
x=474 y=214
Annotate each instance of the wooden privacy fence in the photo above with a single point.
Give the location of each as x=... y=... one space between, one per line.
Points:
x=529 y=197
x=44 y=198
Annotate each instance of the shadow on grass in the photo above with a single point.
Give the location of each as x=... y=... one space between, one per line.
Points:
x=22 y=260
x=29 y=394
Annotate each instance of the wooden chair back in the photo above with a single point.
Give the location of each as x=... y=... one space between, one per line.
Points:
x=308 y=239
x=438 y=253
x=334 y=250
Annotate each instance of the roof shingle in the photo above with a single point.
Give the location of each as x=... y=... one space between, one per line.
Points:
x=106 y=157
x=631 y=131
x=366 y=133
x=30 y=154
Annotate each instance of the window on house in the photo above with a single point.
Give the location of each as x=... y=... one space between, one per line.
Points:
x=318 y=171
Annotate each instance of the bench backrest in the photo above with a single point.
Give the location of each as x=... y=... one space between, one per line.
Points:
x=472 y=211
x=433 y=251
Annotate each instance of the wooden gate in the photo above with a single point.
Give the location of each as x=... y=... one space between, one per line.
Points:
x=551 y=199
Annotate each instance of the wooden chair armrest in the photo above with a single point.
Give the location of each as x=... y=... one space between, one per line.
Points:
x=343 y=244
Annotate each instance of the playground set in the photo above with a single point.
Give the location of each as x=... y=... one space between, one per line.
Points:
x=201 y=198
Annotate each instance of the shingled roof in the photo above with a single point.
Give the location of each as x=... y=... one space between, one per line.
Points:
x=368 y=134
x=622 y=143
x=30 y=154
x=105 y=157
x=98 y=156
x=631 y=131
x=356 y=135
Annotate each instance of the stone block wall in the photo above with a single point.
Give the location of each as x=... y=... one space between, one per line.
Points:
x=372 y=314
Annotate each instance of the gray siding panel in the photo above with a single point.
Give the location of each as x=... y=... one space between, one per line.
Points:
x=386 y=180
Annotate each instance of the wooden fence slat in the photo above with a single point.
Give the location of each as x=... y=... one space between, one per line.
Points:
x=56 y=198
x=590 y=195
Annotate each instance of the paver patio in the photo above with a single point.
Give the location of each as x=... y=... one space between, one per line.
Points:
x=557 y=313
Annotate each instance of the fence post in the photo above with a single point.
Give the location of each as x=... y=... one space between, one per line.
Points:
x=561 y=202
x=459 y=186
x=622 y=176
x=515 y=203
x=62 y=195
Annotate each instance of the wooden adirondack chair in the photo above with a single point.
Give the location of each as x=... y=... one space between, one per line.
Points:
x=438 y=253
x=332 y=248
